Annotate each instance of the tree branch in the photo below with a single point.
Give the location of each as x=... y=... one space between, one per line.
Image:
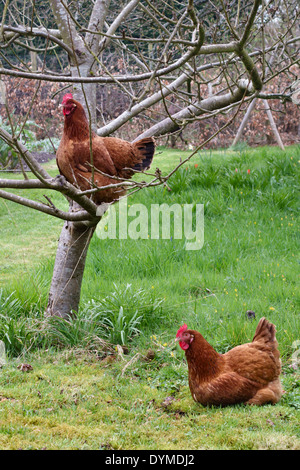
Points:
x=96 y=23
x=117 y=22
x=249 y=24
x=59 y=184
x=67 y=30
x=53 y=35
x=23 y=184
x=79 y=216
x=211 y=49
x=190 y=112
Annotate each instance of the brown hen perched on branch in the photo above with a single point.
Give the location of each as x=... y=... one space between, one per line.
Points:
x=112 y=156
x=246 y=374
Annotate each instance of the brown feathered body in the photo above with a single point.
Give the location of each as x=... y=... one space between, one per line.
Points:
x=112 y=156
x=246 y=374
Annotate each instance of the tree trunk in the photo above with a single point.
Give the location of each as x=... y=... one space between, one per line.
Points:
x=68 y=271
x=86 y=93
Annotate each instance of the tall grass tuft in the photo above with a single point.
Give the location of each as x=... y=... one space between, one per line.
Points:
x=124 y=312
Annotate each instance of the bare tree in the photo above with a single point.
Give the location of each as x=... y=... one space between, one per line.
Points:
x=173 y=62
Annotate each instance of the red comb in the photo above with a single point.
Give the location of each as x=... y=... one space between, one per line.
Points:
x=67 y=97
x=181 y=330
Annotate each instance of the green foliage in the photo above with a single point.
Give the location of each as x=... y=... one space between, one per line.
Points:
x=124 y=312
x=9 y=157
x=14 y=333
x=116 y=319
x=10 y=305
x=179 y=180
x=13 y=329
x=291 y=396
x=81 y=331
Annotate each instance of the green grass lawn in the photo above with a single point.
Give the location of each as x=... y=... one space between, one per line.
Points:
x=82 y=393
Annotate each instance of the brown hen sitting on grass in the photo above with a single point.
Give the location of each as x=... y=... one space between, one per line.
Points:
x=246 y=374
x=112 y=156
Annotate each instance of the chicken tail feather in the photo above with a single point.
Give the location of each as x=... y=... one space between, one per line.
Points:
x=144 y=150
x=265 y=333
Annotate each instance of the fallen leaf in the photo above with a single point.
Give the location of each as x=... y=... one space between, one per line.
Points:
x=150 y=355
x=25 y=367
x=167 y=401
